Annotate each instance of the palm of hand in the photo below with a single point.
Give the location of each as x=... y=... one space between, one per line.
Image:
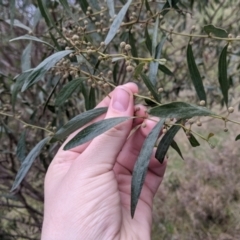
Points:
x=92 y=191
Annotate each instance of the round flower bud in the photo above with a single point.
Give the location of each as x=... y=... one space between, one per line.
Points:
x=164 y=130
x=129 y=68
x=199 y=124
x=127 y=47
x=122 y=45
x=225 y=130
x=160 y=90
x=202 y=103
x=230 y=109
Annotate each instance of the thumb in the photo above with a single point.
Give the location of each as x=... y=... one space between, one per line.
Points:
x=105 y=148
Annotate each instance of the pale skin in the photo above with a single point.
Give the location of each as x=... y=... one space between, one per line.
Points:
x=87 y=188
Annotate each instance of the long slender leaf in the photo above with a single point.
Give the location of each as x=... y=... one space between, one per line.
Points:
x=21 y=147
x=92 y=99
x=176 y=148
x=44 y=13
x=148 y=7
x=195 y=75
x=179 y=110
x=153 y=68
x=193 y=141
x=39 y=71
x=237 y=137
x=165 y=142
x=141 y=165
x=26 y=58
x=27 y=163
x=167 y=6
x=222 y=74
x=17 y=23
x=133 y=44
x=150 y=87
x=117 y=22
x=93 y=131
x=29 y=37
x=110 y=4
x=78 y=122
x=67 y=91
x=148 y=40
x=165 y=70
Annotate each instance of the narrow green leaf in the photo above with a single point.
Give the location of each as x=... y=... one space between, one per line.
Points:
x=193 y=141
x=176 y=148
x=36 y=17
x=44 y=13
x=237 y=137
x=170 y=3
x=153 y=68
x=179 y=110
x=26 y=58
x=68 y=89
x=92 y=99
x=150 y=87
x=218 y=32
x=93 y=131
x=141 y=165
x=148 y=7
x=165 y=70
x=133 y=44
x=165 y=142
x=111 y=8
x=66 y=7
x=21 y=147
x=18 y=85
x=27 y=163
x=83 y=4
x=78 y=122
x=28 y=37
x=39 y=71
x=17 y=23
x=195 y=75
x=222 y=74
x=138 y=69
x=117 y=22
x=155 y=37
x=148 y=40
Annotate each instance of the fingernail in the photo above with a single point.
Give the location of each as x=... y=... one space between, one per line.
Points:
x=120 y=99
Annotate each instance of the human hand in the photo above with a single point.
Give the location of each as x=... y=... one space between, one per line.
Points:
x=88 y=188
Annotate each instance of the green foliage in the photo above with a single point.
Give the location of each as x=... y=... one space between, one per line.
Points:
x=74 y=54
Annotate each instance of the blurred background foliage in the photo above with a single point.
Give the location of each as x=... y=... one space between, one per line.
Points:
x=199 y=198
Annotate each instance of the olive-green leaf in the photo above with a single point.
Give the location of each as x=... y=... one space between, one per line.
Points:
x=218 y=32
x=93 y=131
x=179 y=110
x=148 y=7
x=150 y=87
x=17 y=23
x=195 y=75
x=26 y=57
x=91 y=99
x=165 y=70
x=83 y=4
x=176 y=148
x=21 y=147
x=237 y=137
x=110 y=4
x=165 y=142
x=18 y=85
x=222 y=74
x=148 y=40
x=39 y=71
x=27 y=163
x=68 y=89
x=193 y=141
x=133 y=44
x=28 y=37
x=141 y=165
x=78 y=122
x=117 y=22
x=44 y=13
x=153 y=68
x=138 y=69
